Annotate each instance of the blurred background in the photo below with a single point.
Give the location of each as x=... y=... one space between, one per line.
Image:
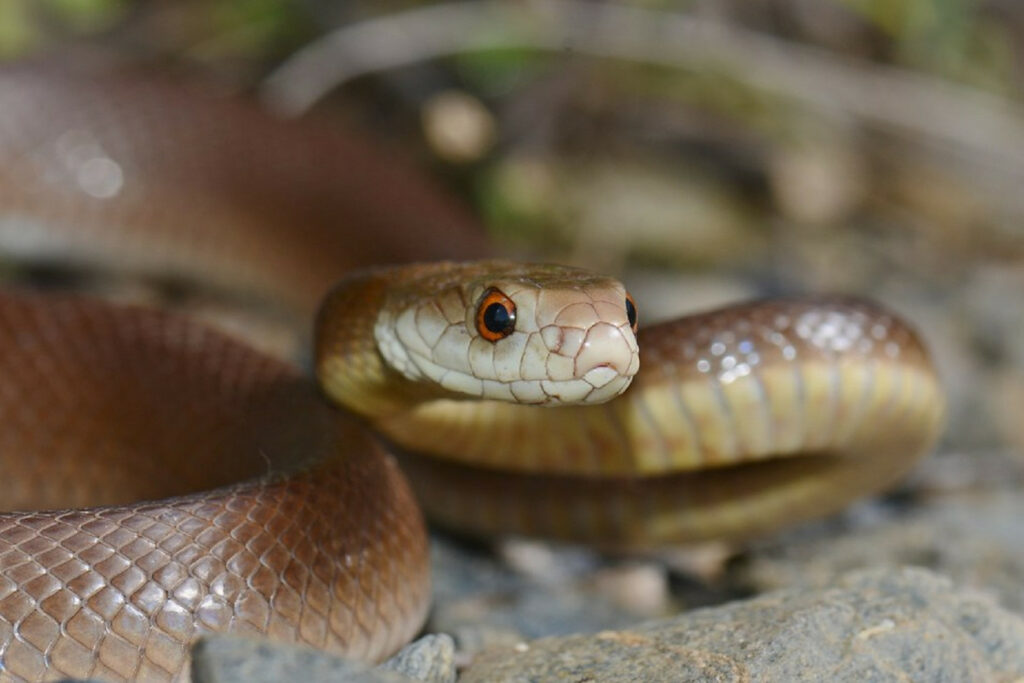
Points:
x=703 y=151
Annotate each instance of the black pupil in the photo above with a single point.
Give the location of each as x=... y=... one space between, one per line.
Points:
x=497 y=319
x=631 y=313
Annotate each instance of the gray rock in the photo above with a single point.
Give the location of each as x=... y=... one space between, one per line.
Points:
x=970 y=471
x=877 y=625
x=233 y=659
x=430 y=659
x=977 y=539
x=483 y=602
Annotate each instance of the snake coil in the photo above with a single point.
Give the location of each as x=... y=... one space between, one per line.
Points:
x=267 y=511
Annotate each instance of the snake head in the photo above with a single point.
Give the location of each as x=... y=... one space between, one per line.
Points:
x=535 y=334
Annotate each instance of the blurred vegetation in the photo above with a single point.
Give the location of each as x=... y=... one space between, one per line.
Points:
x=700 y=179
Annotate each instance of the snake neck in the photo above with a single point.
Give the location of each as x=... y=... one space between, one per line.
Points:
x=348 y=362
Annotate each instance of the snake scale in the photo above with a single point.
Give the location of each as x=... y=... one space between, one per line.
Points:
x=267 y=510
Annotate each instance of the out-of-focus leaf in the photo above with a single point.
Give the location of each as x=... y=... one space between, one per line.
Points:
x=87 y=16
x=248 y=28
x=17 y=32
x=947 y=37
x=496 y=72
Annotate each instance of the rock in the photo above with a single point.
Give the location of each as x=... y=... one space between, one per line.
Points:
x=976 y=471
x=977 y=539
x=430 y=659
x=893 y=624
x=234 y=659
x=553 y=590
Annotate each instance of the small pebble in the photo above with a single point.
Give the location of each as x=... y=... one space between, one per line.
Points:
x=430 y=659
x=640 y=588
x=458 y=126
x=233 y=659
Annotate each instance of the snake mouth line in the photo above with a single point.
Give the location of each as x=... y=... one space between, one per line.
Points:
x=601 y=375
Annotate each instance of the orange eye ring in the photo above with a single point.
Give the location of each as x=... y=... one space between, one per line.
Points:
x=495 y=315
x=631 y=312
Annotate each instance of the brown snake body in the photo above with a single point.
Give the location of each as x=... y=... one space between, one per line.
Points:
x=270 y=512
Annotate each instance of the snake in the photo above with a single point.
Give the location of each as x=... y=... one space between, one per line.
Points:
x=163 y=479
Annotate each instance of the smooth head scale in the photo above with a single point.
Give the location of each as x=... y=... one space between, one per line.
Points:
x=534 y=334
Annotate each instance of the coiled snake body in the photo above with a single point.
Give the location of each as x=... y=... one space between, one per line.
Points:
x=269 y=511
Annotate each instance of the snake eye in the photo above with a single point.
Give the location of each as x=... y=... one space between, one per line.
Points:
x=631 y=312
x=495 y=315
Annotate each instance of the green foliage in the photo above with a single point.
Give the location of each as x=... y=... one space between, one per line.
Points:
x=951 y=38
x=497 y=72
x=17 y=32
x=250 y=28
x=87 y=16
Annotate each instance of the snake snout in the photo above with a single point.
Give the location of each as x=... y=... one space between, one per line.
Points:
x=607 y=348
x=607 y=360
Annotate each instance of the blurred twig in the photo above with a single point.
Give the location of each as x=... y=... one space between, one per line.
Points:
x=908 y=102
